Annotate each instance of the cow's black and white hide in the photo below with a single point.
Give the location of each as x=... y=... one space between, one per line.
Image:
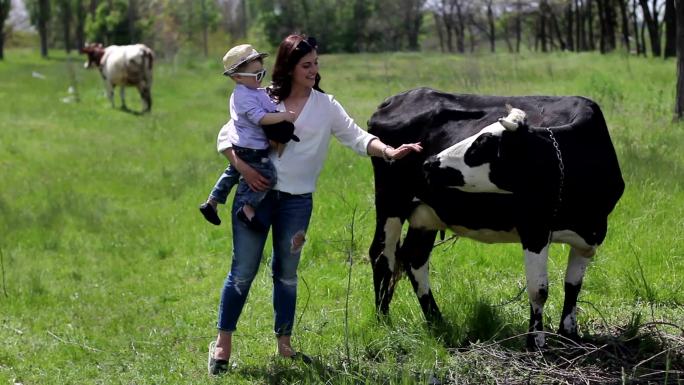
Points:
x=548 y=173
x=123 y=65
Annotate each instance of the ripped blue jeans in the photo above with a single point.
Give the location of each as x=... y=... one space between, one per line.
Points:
x=288 y=217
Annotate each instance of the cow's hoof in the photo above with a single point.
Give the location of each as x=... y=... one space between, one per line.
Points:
x=572 y=336
x=535 y=341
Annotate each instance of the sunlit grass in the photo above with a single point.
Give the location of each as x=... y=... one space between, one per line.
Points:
x=112 y=276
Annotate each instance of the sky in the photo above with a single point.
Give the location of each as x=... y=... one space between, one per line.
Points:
x=19 y=17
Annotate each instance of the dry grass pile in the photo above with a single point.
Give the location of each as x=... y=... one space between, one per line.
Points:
x=650 y=353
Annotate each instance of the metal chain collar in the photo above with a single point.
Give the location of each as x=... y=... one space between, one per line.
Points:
x=561 y=168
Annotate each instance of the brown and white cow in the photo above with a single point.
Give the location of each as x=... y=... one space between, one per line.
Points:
x=123 y=65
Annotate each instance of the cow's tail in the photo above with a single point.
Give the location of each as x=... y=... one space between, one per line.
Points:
x=148 y=57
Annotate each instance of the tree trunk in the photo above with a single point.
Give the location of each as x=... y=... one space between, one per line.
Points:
x=643 y=39
x=590 y=26
x=440 y=32
x=66 y=24
x=205 y=27
x=460 y=30
x=507 y=38
x=414 y=18
x=651 y=21
x=679 y=101
x=581 y=37
x=133 y=35
x=80 y=24
x=602 y=23
x=556 y=27
x=43 y=19
x=625 y=24
x=2 y=40
x=5 y=6
x=637 y=39
x=612 y=25
x=542 y=26
x=670 y=29
x=518 y=26
x=93 y=8
x=568 y=26
x=492 y=31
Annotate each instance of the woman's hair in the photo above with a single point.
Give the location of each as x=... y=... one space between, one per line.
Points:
x=290 y=51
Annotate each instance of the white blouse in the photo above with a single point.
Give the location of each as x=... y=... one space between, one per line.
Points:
x=301 y=162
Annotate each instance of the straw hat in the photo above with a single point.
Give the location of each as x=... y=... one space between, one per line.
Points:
x=238 y=56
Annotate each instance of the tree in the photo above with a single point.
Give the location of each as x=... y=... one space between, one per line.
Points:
x=39 y=11
x=114 y=23
x=5 y=6
x=679 y=103
x=670 y=29
x=64 y=13
x=625 y=23
x=651 y=21
x=80 y=11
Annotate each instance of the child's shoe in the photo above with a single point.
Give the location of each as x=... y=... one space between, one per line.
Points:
x=210 y=213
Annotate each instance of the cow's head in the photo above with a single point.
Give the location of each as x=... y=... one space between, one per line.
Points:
x=95 y=51
x=479 y=162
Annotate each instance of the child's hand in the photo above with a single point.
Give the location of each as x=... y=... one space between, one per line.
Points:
x=290 y=116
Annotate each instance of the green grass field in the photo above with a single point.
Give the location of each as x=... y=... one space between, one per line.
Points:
x=111 y=276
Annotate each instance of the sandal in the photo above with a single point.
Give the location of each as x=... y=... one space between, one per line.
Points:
x=215 y=367
x=299 y=356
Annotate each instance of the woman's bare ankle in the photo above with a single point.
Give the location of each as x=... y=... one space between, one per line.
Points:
x=285 y=346
x=224 y=345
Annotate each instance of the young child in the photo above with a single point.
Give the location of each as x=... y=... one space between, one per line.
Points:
x=250 y=109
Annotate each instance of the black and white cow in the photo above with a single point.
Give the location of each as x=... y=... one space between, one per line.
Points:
x=547 y=173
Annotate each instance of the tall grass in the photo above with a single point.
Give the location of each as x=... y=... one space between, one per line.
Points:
x=112 y=276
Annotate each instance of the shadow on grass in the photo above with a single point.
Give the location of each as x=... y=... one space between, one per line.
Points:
x=484 y=322
x=332 y=370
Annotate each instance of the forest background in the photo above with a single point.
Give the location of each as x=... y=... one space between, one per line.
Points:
x=638 y=26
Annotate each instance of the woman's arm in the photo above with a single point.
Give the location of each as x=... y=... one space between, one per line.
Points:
x=254 y=180
x=350 y=134
x=277 y=117
x=389 y=153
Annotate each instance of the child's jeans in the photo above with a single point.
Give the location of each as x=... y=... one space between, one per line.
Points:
x=258 y=160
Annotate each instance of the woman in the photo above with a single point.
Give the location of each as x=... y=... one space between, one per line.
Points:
x=287 y=208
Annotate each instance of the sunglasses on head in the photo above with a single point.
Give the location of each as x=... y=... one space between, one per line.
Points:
x=309 y=42
x=258 y=75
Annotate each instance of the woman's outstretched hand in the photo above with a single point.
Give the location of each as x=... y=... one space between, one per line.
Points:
x=403 y=150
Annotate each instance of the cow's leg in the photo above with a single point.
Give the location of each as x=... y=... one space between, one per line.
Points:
x=146 y=96
x=383 y=253
x=577 y=265
x=110 y=92
x=538 y=292
x=415 y=255
x=122 y=92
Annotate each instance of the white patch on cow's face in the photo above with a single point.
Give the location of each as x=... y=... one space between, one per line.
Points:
x=476 y=178
x=424 y=217
x=421 y=275
x=392 y=236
